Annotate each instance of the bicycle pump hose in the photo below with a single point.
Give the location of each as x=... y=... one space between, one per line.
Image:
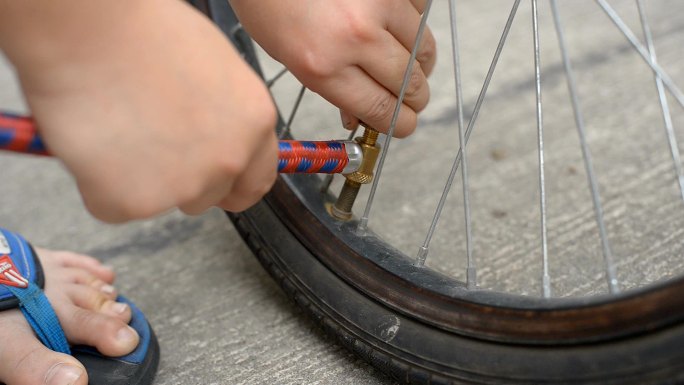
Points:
x=19 y=134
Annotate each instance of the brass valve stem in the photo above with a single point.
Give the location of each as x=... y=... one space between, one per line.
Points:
x=342 y=209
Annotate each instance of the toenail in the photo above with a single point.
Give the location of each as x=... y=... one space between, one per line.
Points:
x=126 y=334
x=107 y=289
x=63 y=374
x=119 y=307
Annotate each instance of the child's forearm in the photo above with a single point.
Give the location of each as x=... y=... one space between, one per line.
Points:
x=37 y=33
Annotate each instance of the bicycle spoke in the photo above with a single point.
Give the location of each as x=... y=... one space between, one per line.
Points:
x=546 y=281
x=327 y=181
x=423 y=251
x=664 y=106
x=586 y=154
x=295 y=108
x=665 y=78
x=471 y=272
x=271 y=82
x=363 y=222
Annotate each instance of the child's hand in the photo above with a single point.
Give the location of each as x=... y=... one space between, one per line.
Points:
x=149 y=107
x=352 y=52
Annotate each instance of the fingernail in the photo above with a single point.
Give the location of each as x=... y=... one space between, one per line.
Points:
x=126 y=334
x=107 y=289
x=346 y=120
x=63 y=374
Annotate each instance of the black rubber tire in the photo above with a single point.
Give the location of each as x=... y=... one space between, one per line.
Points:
x=414 y=352
x=407 y=348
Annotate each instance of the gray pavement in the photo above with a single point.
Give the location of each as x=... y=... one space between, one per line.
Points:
x=221 y=320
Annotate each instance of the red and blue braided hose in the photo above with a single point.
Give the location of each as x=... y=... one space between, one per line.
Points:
x=19 y=134
x=329 y=157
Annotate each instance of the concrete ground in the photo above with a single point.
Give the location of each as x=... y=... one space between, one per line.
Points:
x=221 y=320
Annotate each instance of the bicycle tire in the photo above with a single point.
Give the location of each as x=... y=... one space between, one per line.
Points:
x=431 y=354
x=375 y=313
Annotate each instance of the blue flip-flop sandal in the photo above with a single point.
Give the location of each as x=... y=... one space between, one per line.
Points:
x=21 y=283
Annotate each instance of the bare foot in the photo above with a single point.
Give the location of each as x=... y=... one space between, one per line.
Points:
x=80 y=290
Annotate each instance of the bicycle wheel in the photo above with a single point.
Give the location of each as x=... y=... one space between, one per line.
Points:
x=428 y=324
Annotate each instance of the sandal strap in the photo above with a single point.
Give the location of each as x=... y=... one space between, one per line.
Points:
x=17 y=252
x=41 y=316
x=21 y=280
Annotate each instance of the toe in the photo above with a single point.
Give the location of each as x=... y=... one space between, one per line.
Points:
x=83 y=277
x=95 y=300
x=25 y=361
x=79 y=288
x=106 y=289
x=70 y=259
x=109 y=335
x=65 y=373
